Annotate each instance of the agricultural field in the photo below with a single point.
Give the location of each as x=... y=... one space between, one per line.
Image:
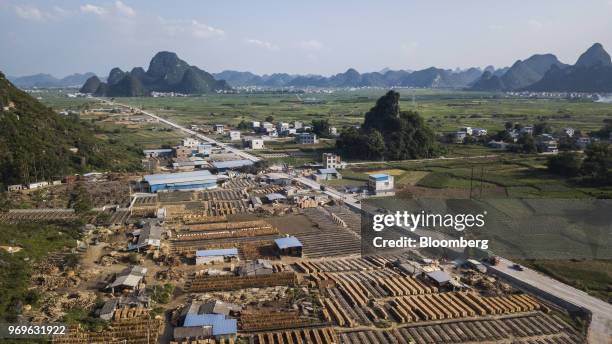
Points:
x=592 y=276
x=444 y=110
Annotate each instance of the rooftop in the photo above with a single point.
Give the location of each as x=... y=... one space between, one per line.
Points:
x=219 y=252
x=439 y=276
x=287 y=242
x=220 y=324
x=182 y=177
x=379 y=176
x=231 y=163
x=328 y=171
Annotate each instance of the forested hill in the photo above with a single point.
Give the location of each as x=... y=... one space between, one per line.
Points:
x=36 y=142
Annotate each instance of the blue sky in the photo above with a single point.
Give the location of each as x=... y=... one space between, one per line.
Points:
x=319 y=37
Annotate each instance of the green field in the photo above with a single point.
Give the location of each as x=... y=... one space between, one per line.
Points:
x=444 y=110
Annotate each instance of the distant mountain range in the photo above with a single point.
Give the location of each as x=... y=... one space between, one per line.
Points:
x=591 y=73
x=49 y=81
x=166 y=73
x=545 y=73
x=430 y=77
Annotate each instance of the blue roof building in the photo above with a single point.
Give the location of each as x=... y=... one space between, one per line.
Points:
x=289 y=246
x=288 y=242
x=221 y=326
x=196 y=180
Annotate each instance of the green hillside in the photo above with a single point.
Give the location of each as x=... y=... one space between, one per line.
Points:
x=38 y=144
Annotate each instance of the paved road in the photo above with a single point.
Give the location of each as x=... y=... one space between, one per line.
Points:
x=207 y=139
x=600 y=329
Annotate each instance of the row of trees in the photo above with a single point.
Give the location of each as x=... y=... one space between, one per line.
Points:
x=594 y=167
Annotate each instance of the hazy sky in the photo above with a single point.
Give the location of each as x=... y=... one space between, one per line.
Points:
x=322 y=37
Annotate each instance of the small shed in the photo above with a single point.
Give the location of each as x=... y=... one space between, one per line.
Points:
x=476 y=265
x=289 y=246
x=275 y=197
x=439 y=277
x=216 y=256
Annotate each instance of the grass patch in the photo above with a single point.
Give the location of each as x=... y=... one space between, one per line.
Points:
x=592 y=276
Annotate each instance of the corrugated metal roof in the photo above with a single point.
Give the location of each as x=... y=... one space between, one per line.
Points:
x=231 y=163
x=328 y=171
x=220 y=324
x=439 y=276
x=288 y=242
x=182 y=177
x=275 y=196
x=219 y=252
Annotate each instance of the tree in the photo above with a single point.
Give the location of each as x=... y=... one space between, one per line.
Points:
x=320 y=127
x=503 y=135
x=269 y=119
x=243 y=125
x=375 y=144
x=542 y=128
x=81 y=200
x=566 y=164
x=351 y=143
x=597 y=163
x=508 y=125
x=526 y=144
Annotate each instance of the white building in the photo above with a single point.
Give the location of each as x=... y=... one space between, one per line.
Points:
x=282 y=126
x=381 y=184
x=298 y=125
x=219 y=128
x=15 y=188
x=333 y=131
x=190 y=142
x=331 y=160
x=306 y=138
x=467 y=130
x=255 y=124
x=37 y=185
x=253 y=142
x=479 y=132
x=234 y=135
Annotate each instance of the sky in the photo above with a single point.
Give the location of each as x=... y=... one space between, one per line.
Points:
x=299 y=37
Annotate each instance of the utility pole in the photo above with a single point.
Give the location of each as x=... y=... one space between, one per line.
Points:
x=481 y=180
x=471 y=181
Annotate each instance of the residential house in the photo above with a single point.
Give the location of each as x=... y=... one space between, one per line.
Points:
x=306 y=138
x=190 y=142
x=331 y=160
x=381 y=184
x=234 y=135
x=253 y=142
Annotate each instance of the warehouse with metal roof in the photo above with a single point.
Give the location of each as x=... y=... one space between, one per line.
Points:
x=196 y=180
